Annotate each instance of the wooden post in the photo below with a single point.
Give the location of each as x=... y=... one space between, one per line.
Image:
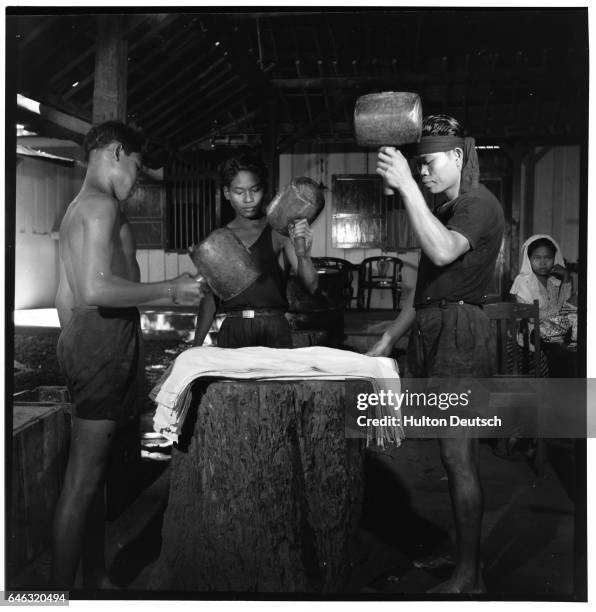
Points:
x=516 y=156
x=266 y=491
x=272 y=154
x=111 y=70
x=530 y=161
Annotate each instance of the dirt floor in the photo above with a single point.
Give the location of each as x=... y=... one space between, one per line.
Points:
x=35 y=362
x=530 y=531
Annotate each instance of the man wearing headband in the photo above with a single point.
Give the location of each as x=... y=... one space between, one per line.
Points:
x=460 y=240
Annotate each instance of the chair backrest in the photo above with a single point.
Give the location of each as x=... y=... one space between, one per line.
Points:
x=374 y=269
x=346 y=267
x=517 y=336
x=335 y=263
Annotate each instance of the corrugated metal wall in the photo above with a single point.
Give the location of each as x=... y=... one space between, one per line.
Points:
x=43 y=191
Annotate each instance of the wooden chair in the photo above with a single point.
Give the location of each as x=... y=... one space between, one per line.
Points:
x=346 y=267
x=379 y=273
x=513 y=323
x=517 y=335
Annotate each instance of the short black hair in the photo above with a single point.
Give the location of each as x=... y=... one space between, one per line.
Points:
x=243 y=162
x=442 y=125
x=541 y=242
x=100 y=136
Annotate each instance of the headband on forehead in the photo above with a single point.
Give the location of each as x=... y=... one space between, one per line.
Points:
x=437 y=144
x=470 y=174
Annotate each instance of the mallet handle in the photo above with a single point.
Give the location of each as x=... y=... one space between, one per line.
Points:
x=300 y=246
x=299 y=243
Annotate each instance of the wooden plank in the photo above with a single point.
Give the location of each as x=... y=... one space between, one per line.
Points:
x=39 y=453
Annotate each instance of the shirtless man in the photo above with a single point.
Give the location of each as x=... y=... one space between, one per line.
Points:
x=99 y=349
x=244 y=180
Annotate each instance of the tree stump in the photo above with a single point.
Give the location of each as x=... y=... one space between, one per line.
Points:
x=266 y=495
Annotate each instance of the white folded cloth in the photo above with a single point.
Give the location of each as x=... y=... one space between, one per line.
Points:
x=172 y=393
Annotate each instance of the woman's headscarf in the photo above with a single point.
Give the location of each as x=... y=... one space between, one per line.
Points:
x=526 y=284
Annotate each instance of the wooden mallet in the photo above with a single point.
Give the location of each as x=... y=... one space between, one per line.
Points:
x=389 y=118
x=302 y=199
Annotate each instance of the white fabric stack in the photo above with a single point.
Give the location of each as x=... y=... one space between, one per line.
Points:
x=172 y=393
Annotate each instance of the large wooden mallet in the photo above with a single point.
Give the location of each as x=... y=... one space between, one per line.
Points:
x=389 y=118
x=302 y=199
x=225 y=263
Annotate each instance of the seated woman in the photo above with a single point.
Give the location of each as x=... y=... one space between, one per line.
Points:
x=244 y=179
x=543 y=277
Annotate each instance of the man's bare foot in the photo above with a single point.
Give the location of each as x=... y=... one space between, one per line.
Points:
x=435 y=561
x=102 y=583
x=456 y=585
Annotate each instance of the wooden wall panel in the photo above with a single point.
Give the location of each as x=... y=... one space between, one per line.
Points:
x=556 y=199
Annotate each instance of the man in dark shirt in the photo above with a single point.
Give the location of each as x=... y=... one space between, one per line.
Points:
x=451 y=337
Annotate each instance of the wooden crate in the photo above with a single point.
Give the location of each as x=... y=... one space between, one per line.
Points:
x=38 y=455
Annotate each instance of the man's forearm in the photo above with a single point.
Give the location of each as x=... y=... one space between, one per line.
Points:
x=400 y=326
x=117 y=292
x=437 y=242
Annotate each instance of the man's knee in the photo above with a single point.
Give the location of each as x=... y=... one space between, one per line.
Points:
x=83 y=485
x=458 y=454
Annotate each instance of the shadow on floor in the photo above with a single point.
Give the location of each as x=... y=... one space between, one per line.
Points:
x=137 y=554
x=528 y=529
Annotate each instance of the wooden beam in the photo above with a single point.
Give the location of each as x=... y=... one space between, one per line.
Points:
x=182 y=89
x=68 y=122
x=218 y=130
x=111 y=70
x=35 y=32
x=234 y=97
x=447 y=78
x=178 y=119
x=83 y=83
x=134 y=22
x=229 y=38
x=309 y=128
x=175 y=46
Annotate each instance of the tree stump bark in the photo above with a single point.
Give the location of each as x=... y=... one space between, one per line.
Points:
x=266 y=496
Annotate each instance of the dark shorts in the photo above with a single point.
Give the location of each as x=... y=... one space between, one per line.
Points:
x=100 y=353
x=453 y=341
x=272 y=331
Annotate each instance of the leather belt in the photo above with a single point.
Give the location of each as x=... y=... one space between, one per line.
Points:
x=443 y=303
x=252 y=314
